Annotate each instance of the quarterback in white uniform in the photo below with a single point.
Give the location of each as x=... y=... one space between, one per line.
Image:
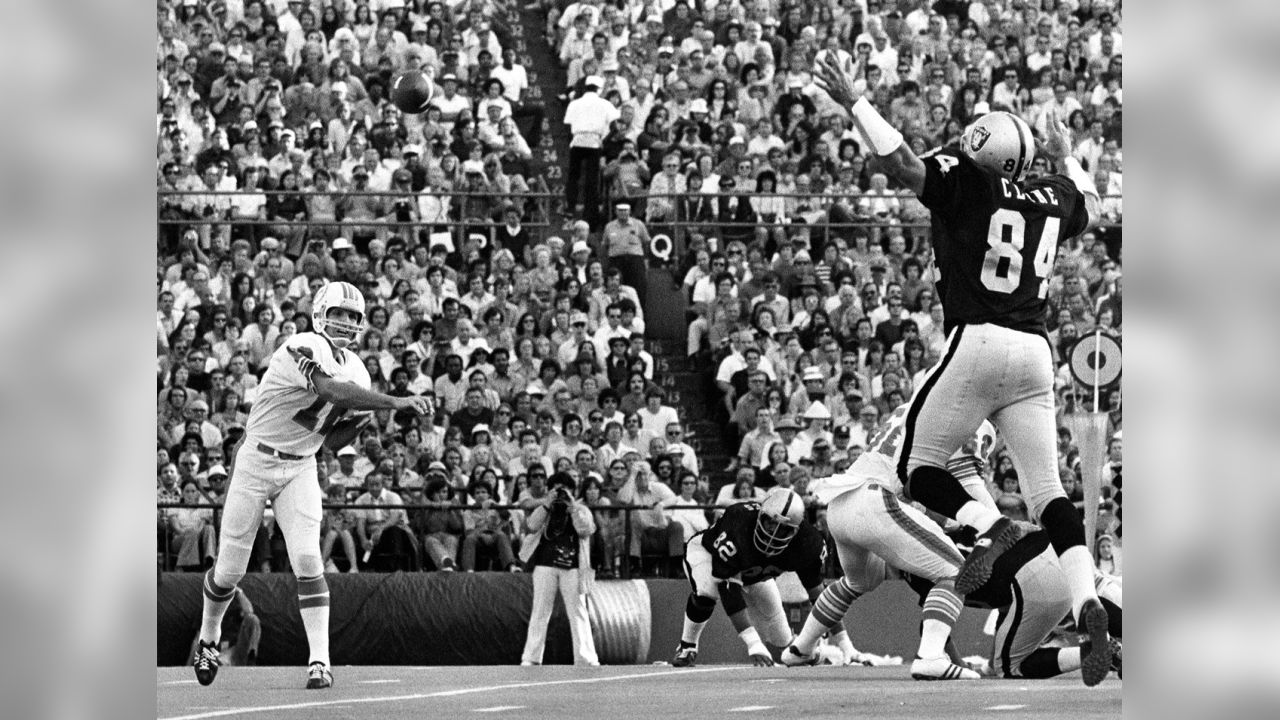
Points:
x=311 y=385
x=871 y=526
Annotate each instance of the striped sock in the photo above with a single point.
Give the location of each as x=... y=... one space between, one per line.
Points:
x=828 y=611
x=216 y=600
x=941 y=608
x=313 y=605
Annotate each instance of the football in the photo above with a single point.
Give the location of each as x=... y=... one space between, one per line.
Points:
x=411 y=91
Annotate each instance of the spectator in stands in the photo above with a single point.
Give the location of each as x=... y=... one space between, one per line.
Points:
x=383 y=533
x=652 y=531
x=484 y=528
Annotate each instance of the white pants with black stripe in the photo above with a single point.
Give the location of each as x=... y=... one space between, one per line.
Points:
x=871 y=527
x=295 y=497
x=991 y=372
x=1041 y=599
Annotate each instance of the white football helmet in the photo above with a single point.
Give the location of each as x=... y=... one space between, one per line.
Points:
x=779 y=520
x=1001 y=142
x=338 y=295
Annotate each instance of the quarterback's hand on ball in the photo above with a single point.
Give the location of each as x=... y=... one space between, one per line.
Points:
x=416 y=403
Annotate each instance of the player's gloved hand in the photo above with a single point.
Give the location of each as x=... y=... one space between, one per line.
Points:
x=761 y=660
x=414 y=403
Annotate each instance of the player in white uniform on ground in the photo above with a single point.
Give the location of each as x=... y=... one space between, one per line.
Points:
x=311 y=384
x=872 y=526
x=995 y=235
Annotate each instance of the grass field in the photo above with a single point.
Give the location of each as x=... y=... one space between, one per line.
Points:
x=623 y=693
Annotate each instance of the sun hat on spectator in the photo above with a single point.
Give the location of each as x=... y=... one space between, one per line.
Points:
x=481 y=428
x=449 y=77
x=654 y=18
x=593 y=81
x=580 y=247
x=536 y=388
x=217 y=47
x=666 y=50
x=437 y=466
x=411 y=149
x=342 y=243
x=786 y=422
x=817 y=411
x=812 y=373
x=338 y=86
x=217 y=471
x=347 y=450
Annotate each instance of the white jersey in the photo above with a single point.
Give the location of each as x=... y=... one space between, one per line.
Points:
x=879 y=463
x=288 y=416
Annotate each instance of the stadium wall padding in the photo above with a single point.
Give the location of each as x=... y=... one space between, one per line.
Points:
x=482 y=619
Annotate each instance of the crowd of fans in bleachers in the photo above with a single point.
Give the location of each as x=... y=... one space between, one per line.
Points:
x=806 y=269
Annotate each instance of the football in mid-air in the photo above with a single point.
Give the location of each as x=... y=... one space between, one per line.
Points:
x=411 y=91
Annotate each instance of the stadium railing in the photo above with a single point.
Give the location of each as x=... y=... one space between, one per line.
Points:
x=541 y=211
x=626 y=510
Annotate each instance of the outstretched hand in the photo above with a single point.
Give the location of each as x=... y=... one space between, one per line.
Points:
x=1057 y=142
x=829 y=76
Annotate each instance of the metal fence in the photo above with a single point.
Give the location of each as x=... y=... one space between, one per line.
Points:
x=622 y=548
x=543 y=214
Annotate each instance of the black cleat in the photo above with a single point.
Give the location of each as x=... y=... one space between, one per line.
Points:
x=990 y=545
x=1097 y=662
x=206 y=662
x=319 y=677
x=685 y=656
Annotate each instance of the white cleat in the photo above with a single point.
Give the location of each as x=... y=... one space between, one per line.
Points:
x=791 y=657
x=941 y=668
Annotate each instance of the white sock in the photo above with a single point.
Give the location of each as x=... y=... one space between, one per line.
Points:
x=214 y=610
x=809 y=635
x=977 y=516
x=752 y=639
x=933 y=638
x=313 y=605
x=692 y=631
x=1077 y=565
x=844 y=643
x=316 y=621
x=1069 y=659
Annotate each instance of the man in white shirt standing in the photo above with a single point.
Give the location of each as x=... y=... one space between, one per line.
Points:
x=514 y=82
x=588 y=117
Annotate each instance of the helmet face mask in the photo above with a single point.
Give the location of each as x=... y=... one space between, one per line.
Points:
x=338 y=296
x=1001 y=142
x=778 y=522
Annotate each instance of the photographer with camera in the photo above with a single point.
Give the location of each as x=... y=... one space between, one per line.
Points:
x=560 y=552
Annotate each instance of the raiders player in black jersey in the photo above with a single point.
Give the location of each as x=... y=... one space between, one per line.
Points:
x=737 y=559
x=995 y=239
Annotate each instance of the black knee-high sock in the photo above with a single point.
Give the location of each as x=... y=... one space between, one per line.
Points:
x=937 y=490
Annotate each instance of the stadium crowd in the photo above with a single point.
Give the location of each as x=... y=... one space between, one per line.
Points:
x=807 y=272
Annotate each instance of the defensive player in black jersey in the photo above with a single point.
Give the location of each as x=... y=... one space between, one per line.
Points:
x=737 y=559
x=995 y=238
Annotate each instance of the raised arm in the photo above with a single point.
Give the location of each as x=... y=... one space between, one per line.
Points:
x=1057 y=146
x=897 y=159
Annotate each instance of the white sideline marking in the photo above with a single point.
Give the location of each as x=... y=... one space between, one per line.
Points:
x=500 y=708
x=1005 y=707
x=378 y=682
x=445 y=693
x=750 y=708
